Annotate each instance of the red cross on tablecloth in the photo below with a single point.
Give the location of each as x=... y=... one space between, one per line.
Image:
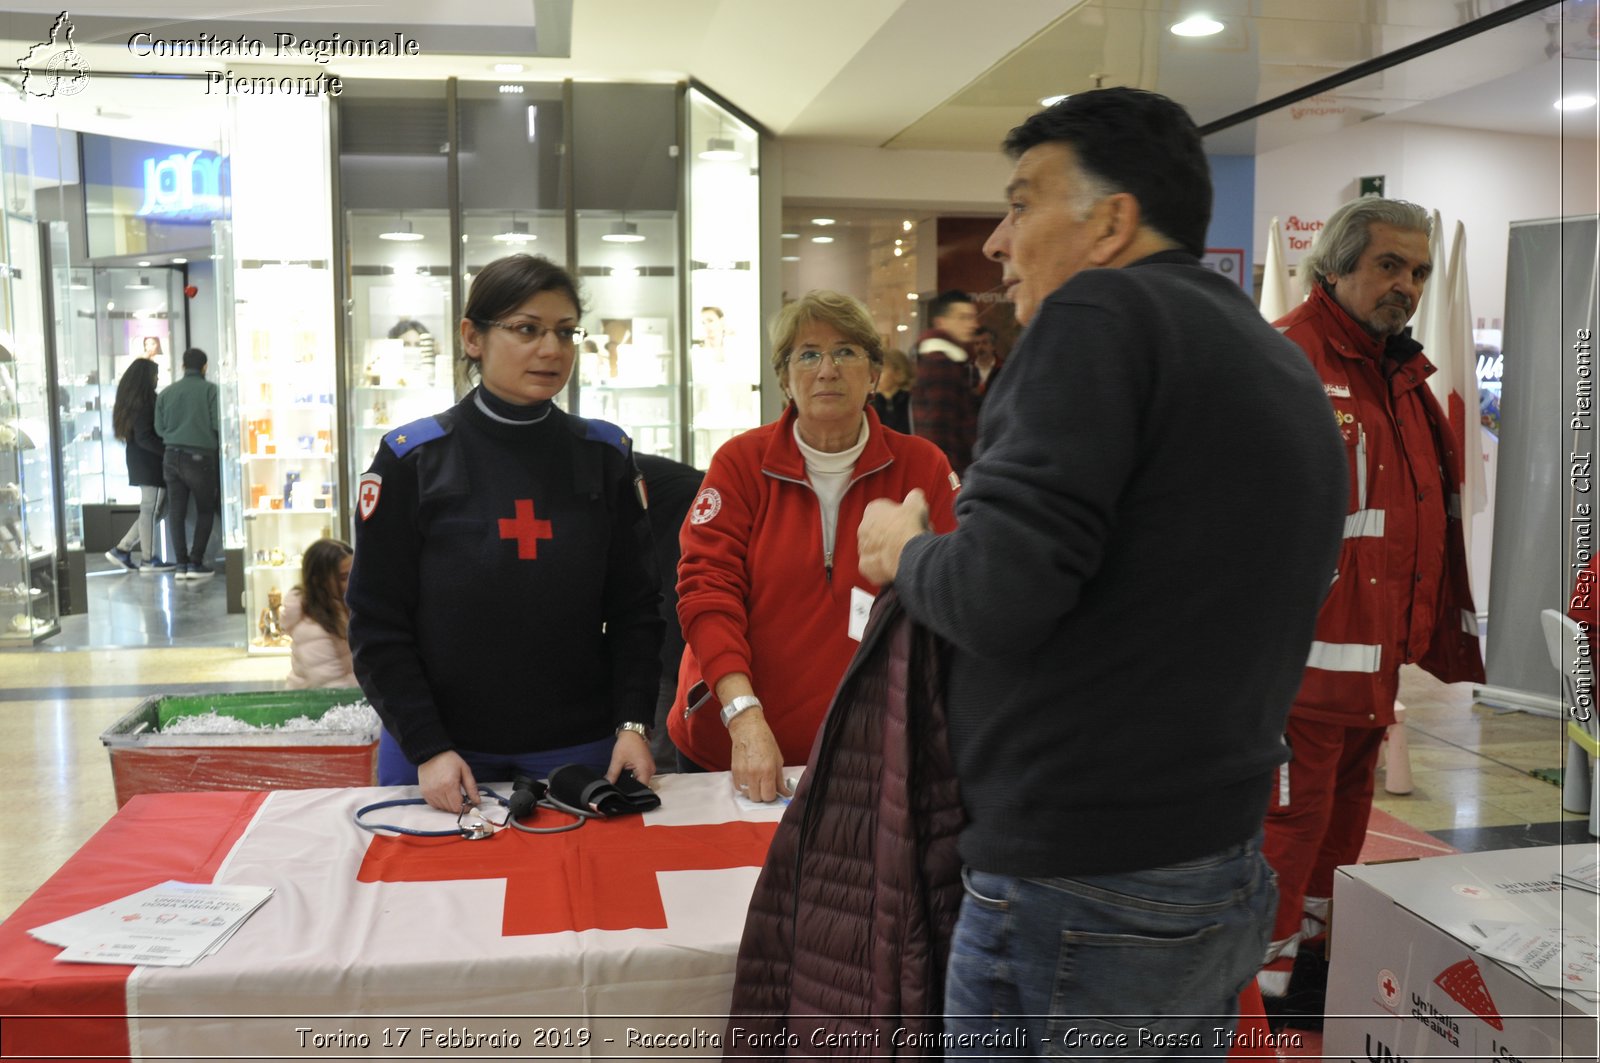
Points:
x=525 y=530
x=600 y=877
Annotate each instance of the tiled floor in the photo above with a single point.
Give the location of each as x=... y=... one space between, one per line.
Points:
x=1470 y=765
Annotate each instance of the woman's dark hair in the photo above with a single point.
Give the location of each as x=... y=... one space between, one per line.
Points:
x=400 y=328
x=319 y=585
x=136 y=394
x=1130 y=140
x=507 y=283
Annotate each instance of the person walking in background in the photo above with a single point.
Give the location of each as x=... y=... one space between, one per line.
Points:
x=892 y=397
x=770 y=598
x=944 y=404
x=985 y=357
x=133 y=420
x=317 y=620
x=1096 y=904
x=1402 y=594
x=188 y=423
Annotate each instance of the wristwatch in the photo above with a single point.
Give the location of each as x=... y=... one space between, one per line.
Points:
x=640 y=729
x=742 y=703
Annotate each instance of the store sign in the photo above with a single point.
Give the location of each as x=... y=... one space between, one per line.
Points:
x=185 y=185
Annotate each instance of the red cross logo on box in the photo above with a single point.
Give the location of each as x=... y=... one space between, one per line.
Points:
x=601 y=877
x=525 y=530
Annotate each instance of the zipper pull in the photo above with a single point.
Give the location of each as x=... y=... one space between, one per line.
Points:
x=827 y=564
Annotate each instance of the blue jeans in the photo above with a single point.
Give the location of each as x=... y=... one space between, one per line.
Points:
x=395 y=770
x=1136 y=965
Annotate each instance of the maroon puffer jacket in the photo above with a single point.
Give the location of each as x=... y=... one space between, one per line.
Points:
x=849 y=928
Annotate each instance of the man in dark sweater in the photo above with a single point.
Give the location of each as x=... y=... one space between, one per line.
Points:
x=1130 y=594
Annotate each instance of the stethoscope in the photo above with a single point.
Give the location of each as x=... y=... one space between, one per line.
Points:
x=473 y=825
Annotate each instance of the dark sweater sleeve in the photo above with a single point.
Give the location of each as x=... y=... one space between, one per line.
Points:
x=383 y=595
x=144 y=434
x=634 y=627
x=1061 y=437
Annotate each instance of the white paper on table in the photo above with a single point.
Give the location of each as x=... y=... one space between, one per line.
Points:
x=174 y=923
x=1550 y=955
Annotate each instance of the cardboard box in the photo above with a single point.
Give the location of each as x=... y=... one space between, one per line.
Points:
x=1408 y=980
x=145 y=760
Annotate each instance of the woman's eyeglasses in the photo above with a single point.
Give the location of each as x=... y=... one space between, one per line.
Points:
x=843 y=358
x=530 y=334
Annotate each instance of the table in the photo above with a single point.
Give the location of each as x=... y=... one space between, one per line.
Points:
x=623 y=930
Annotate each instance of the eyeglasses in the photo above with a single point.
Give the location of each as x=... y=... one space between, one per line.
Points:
x=531 y=334
x=843 y=358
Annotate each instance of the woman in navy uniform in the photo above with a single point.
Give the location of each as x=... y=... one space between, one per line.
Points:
x=503 y=602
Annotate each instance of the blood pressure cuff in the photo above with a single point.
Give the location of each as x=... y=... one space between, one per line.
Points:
x=583 y=787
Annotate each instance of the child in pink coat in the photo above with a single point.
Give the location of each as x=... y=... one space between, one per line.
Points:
x=315 y=617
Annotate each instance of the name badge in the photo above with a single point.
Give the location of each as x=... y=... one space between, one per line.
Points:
x=860 y=609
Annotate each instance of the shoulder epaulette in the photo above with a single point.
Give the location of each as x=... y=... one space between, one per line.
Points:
x=408 y=437
x=602 y=432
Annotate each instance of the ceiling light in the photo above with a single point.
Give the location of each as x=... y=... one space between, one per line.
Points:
x=508 y=68
x=822 y=239
x=622 y=232
x=146 y=262
x=624 y=271
x=1575 y=103
x=785 y=258
x=1197 y=26
x=901 y=328
x=517 y=234
x=1051 y=101
x=791 y=236
x=179 y=261
x=511 y=90
x=899 y=251
x=912 y=296
x=906 y=225
x=141 y=285
x=721 y=149
x=401 y=232
x=821 y=221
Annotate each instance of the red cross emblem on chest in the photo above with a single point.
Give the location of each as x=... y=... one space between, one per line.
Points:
x=599 y=877
x=525 y=530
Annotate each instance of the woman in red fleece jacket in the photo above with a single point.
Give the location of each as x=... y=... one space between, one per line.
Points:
x=769 y=595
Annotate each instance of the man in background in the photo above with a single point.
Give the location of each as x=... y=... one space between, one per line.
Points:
x=1402 y=594
x=944 y=402
x=188 y=423
x=1128 y=602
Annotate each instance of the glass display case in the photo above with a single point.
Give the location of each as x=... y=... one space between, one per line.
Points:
x=28 y=547
x=724 y=276
x=627 y=370
x=398 y=324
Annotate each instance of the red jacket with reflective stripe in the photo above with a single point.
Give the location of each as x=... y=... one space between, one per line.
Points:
x=755 y=590
x=1401 y=595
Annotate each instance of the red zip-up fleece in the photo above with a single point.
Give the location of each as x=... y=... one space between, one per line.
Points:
x=756 y=592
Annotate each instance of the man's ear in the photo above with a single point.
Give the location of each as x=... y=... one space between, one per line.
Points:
x=1117 y=221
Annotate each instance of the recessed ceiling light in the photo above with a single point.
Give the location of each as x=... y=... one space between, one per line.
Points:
x=146 y=262
x=901 y=328
x=912 y=296
x=786 y=258
x=179 y=261
x=821 y=221
x=1577 y=102
x=822 y=239
x=906 y=225
x=1051 y=101
x=508 y=68
x=899 y=251
x=511 y=90
x=791 y=236
x=1197 y=26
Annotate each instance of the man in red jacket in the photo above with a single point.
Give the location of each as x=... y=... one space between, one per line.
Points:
x=1401 y=594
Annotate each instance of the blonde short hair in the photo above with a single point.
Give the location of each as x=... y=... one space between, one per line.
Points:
x=844 y=313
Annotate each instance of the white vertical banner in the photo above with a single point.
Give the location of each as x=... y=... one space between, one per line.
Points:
x=1278 y=296
x=1458 y=379
x=1428 y=323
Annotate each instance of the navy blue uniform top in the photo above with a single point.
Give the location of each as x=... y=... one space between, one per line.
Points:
x=504 y=593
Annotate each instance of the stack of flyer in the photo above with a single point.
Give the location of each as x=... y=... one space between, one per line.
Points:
x=170 y=925
x=1581 y=872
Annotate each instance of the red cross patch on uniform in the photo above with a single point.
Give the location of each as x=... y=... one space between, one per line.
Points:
x=706 y=505
x=367 y=490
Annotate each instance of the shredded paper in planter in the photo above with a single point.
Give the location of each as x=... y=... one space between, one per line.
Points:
x=356 y=716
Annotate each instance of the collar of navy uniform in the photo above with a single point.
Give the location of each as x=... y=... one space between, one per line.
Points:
x=498 y=409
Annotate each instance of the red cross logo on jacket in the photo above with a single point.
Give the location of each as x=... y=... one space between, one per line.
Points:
x=600 y=877
x=525 y=530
